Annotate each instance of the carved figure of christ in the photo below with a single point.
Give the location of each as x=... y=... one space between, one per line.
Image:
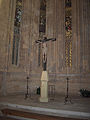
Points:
x=44 y=50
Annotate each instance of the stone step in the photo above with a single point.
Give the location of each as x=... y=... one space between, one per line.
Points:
x=22 y=115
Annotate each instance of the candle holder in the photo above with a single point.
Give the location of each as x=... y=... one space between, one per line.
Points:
x=27 y=94
x=67 y=98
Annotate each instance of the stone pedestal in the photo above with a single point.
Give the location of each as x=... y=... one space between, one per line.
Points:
x=44 y=87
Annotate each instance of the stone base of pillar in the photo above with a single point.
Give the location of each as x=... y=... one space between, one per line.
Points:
x=44 y=87
x=43 y=99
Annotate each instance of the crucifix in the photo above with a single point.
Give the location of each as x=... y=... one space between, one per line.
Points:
x=44 y=76
x=44 y=50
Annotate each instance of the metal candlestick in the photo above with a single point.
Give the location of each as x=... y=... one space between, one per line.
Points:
x=67 y=98
x=27 y=93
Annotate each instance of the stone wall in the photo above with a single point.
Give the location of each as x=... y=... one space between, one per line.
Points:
x=13 y=77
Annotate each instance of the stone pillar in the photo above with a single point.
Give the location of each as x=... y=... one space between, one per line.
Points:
x=44 y=87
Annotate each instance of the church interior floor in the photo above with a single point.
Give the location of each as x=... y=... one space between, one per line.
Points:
x=79 y=108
